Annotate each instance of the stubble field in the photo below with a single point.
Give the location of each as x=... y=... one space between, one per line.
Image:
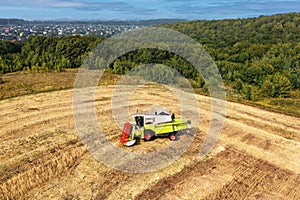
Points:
x=42 y=157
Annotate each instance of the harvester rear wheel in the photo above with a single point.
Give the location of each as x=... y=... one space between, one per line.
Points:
x=173 y=136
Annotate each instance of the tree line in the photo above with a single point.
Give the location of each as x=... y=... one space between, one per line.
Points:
x=41 y=54
x=257 y=57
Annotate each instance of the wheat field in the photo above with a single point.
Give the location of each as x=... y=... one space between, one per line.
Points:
x=42 y=156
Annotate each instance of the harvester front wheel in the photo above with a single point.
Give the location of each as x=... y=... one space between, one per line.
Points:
x=148 y=135
x=138 y=139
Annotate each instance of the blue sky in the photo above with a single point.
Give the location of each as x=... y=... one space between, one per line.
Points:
x=148 y=9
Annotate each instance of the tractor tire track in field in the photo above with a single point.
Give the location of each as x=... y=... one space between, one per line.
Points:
x=41 y=156
x=33 y=153
x=17 y=186
x=236 y=175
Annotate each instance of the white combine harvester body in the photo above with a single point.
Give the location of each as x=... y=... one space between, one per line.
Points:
x=153 y=118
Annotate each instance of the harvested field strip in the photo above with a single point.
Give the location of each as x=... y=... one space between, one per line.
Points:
x=36 y=155
x=261 y=119
x=32 y=115
x=34 y=142
x=19 y=185
x=255 y=136
x=289 y=131
x=289 y=161
x=50 y=124
x=238 y=175
x=266 y=120
x=263 y=115
x=32 y=120
x=254 y=183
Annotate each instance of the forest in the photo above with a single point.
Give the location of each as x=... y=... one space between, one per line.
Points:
x=257 y=57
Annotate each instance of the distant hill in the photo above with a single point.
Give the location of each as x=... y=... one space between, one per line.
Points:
x=273 y=29
x=12 y=21
x=131 y=22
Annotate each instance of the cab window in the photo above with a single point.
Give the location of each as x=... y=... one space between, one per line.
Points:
x=139 y=120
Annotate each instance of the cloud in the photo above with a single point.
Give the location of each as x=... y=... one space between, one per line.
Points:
x=180 y=1
x=237 y=9
x=188 y=9
x=42 y=3
x=82 y=5
x=115 y=6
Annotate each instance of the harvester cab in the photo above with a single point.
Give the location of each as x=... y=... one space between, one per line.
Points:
x=147 y=126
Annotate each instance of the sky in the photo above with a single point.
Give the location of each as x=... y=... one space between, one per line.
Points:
x=142 y=10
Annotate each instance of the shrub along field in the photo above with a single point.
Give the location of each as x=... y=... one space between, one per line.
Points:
x=24 y=83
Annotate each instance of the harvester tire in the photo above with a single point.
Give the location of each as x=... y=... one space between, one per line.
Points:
x=148 y=135
x=138 y=139
x=173 y=136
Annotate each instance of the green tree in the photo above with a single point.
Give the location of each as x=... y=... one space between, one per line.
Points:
x=267 y=89
x=238 y=85
x=3 y=67
x=246 y=91
x=281 y=85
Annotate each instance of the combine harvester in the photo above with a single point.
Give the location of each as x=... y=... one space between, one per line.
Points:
x=147 y=126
